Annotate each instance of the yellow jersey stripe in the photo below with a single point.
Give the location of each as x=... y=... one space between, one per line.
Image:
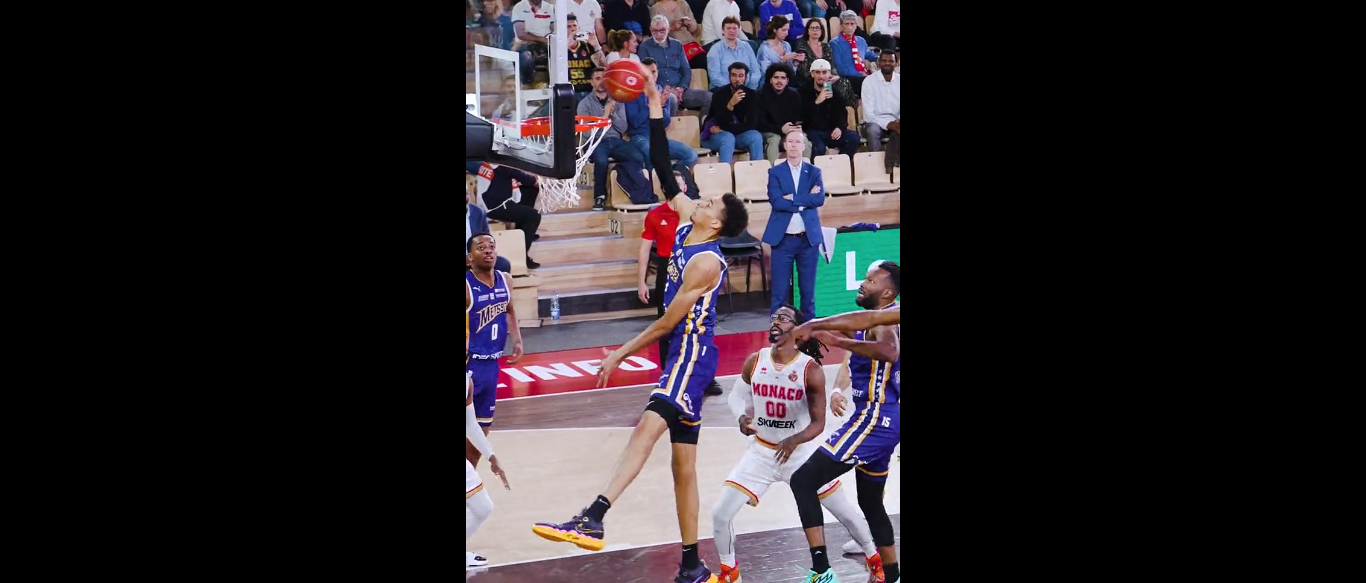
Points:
x=877 y=409
x=840 y=443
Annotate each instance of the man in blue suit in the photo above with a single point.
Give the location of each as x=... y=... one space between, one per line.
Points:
x=796 y=190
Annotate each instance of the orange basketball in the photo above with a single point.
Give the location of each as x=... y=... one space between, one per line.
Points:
x=625 y=80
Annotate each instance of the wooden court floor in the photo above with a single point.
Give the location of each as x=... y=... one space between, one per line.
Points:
x=559 y=451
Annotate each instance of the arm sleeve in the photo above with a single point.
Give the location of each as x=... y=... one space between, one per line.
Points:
x=659 y=157
x=741 y=397
x=476 y=435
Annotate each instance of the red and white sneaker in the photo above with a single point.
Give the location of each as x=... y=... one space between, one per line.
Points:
x=875 y=573
x=729 y=574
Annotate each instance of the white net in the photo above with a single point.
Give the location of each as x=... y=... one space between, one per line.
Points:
x=559 y=193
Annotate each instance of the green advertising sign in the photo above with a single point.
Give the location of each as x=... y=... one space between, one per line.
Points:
x=837 y=281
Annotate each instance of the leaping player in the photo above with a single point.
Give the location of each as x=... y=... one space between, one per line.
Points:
x=867 y=441
x=477 y=501
x=695 y=277
x=780 y=400
x=489 y=318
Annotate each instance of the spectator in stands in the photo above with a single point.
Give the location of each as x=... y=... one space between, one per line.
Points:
x=780 y=111
x=796 y=190
x=614 y=144
x=638 y=125
x=816 y=46
x=776 y=49
x=661 y=224
x=623 y=45
x=882 y=102
x=617 y=13
x=824 y=117
x=476 y=222
x=730 y=50
x=584 y=56
x=787 y=8
x=675 y=75
x=683 y=27
x=887 y=25
x=532 y=19
x=713 y=20
x=733 y=114
x=850 y=51
x=510 y=195
x=496 y=23
x=589 y=13
x=824 y=9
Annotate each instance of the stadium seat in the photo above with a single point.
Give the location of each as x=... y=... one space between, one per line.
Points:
x=870 y=172
x=868 y=23
x=837 y=173
x=512 y=245
x=620 y=201
x=713 y=179
x=688 y=129
x=896 y=175
x=834 y=28
x=699 y=80
x=748 y=28
x=751 y=180
x=853 y=121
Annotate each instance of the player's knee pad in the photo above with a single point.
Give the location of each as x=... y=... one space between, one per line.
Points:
x=870 y=502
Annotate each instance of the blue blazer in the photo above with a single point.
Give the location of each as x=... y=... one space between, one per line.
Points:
x=780 y=185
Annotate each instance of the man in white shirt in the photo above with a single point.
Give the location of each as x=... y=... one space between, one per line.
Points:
x=589 y=13
x=718 y=10
x=882 y=102
x=532 y=21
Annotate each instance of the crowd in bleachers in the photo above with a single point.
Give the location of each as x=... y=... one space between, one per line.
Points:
x=738 y=81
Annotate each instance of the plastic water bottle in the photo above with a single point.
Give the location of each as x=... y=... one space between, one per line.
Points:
x=554 y=305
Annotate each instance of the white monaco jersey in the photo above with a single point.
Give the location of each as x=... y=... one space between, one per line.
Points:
x=780 y=409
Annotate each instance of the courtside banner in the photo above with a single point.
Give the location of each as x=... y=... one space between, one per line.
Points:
x=837 y=281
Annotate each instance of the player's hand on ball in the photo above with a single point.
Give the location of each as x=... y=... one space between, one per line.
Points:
x=745 y=425
x=498 y=471
x=838 y=404
x=609 y=364
x=785 y=448
x=516 y=352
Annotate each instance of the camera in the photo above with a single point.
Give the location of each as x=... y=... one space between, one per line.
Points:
x=581 y=36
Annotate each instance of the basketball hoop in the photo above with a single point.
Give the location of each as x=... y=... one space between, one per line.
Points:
x=558 y=193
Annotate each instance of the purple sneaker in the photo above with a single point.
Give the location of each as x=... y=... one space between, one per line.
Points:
x=698 y=574
x=582 y=531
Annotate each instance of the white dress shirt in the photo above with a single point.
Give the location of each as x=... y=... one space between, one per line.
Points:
x=795 y=225
x=881 y=99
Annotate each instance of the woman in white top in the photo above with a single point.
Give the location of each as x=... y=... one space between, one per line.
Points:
x=624 y=44
x=886 y=32
x=776 y=48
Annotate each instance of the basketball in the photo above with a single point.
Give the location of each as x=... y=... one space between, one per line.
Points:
x=625 y=80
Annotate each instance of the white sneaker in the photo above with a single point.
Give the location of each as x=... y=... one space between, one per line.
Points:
x=473 y=560
x=852 y=548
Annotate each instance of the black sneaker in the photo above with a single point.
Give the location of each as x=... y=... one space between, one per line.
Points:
x=713 y=389
x=599 y=204
x=532 y=264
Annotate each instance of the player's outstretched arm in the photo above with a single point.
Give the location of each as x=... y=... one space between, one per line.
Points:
x=815 y=402
x=849 y=322
x=698 y=278
x=659 y=156
x=883 y=343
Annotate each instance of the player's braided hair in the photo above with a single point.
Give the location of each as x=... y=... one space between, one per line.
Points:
x=811 y=347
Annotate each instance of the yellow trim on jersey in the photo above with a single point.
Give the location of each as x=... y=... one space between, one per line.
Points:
x=683 y=386
x=882 y=386
x=483 y=420
x=875 y=474
x=877 y=409
x=474 y=491
x=753 y=500
x=840 y=443
x=760 y=441
x=690 y=423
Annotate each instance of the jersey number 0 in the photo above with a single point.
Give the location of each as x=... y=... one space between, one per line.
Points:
x=778 y=410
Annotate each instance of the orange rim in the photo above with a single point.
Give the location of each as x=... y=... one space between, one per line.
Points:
x=540 y=126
